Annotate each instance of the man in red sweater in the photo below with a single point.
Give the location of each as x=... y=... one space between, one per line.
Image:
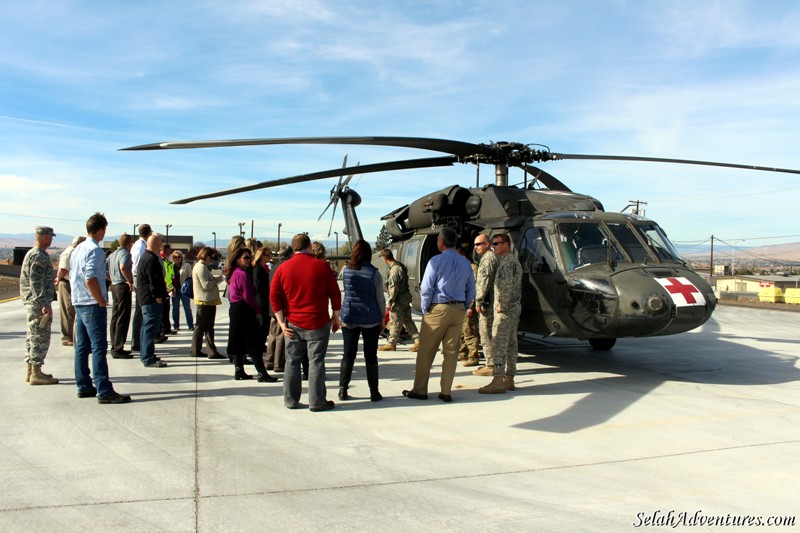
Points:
x=302 y=288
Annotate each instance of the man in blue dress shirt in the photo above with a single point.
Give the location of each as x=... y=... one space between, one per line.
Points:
x=87 y=278
x=448 y=288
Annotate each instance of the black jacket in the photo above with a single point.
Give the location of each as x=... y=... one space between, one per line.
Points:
x=150 y=282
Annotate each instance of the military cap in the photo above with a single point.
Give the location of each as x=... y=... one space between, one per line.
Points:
x=44 y=230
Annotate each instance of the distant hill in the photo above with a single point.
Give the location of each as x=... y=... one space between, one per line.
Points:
x=12 y=240
x=772 y=252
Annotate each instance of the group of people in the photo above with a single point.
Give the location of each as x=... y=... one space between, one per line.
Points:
x=286 y=312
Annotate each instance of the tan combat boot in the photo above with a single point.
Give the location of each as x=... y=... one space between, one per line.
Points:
x=387 y=348
x=508 y=381
x=484 y=371
x=27 y=372
x=414 y=347
x=40 y=378
x=470 y=362
x=495 y=387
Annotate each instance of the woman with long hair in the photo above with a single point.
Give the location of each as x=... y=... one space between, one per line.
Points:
x=245 y=314
x=361 y=315
x=206 y=300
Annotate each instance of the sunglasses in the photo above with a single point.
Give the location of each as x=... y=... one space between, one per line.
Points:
x=497 y=243
x=481 y=244
x=246 y=257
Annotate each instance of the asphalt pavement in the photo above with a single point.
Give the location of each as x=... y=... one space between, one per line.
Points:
x=679 y=430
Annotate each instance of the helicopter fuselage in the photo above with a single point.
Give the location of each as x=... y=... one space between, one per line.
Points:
x=588 y=274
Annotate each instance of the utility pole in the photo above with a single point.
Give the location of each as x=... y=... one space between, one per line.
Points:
x=167 y=239
x=635 y=204
x=215 y=239
x=279 y=235
x=252 y=227
x=711 y=261
x=241 y=231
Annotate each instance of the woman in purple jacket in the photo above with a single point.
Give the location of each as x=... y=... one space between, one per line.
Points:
x=245 y=314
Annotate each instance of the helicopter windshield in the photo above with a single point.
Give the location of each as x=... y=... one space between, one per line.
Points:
x=658 y=241
x=586 y=243
x=630 y=243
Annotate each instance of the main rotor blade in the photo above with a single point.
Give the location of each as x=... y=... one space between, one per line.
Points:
x=556 y=157
x=427 y=162
x=437 y=145
x=548 y=180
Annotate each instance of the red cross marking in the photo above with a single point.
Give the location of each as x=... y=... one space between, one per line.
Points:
x=687 y=291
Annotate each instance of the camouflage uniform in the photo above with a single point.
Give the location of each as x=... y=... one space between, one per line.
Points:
x=469 y=331
x=484 y=298
x=37 y=291
x=399 y=303
x=507 y=293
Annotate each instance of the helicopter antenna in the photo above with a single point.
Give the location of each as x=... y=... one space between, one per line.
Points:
x=478 y=176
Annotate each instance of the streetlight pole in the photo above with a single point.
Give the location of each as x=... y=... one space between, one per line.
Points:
x=167 y=239
x=337 y=241
x=134 y=229
x=279 y=235
x=215 y=239
x=241 y=231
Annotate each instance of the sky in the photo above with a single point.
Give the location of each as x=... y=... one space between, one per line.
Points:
x=704 y=80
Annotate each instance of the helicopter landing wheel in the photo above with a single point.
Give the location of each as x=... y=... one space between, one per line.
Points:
x=602 y=344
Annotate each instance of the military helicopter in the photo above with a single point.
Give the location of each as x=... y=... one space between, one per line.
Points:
x=589 y=274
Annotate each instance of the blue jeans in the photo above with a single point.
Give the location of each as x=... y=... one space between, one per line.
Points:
x=314 y=343
x=152 y=314
x=178 y=300
x=90 y=337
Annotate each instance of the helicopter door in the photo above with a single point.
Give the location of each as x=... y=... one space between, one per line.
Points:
x=411 y=259
x=542 y=282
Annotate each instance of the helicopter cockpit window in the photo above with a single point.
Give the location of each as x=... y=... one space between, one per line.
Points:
x=585 y=244
x=536 y=252
x=659 y=242
x=633 y=246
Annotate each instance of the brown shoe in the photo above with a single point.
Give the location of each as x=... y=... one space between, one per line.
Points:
x=414 y=347
x=40 y=378
x=387 y=348
x=484 y=371
x=470 y=362
x=497 y=386
x=508 y=381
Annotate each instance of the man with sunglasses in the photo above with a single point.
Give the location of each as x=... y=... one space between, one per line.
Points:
x=507 y=306
x=484 y=296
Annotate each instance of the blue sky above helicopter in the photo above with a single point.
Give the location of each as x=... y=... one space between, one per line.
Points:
x=713 y=81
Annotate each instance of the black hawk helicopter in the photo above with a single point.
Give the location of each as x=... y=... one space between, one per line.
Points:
x=588 y=273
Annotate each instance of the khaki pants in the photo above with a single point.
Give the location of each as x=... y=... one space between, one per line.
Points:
x=441 y=326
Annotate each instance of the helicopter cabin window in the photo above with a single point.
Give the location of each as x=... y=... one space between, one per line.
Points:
x=410 y=256
x=632 y=245
x=584 y=244
x=659 y=242
x=536 y=252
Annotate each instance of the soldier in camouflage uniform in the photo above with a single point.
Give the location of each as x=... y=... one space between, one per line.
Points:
x=507 y=307
x=468 y=353
x=37 y=291
x=398 y=303
x=484 y=298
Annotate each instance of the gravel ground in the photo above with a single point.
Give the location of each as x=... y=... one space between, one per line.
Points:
x=9 y=287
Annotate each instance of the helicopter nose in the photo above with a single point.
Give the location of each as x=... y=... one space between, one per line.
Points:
x=656 y=304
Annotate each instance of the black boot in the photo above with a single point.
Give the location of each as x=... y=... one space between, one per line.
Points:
x=345 y=374
x=238 y=364
x=263 y=375
x=372 y=380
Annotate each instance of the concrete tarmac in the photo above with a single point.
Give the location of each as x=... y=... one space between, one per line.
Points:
x=657 y=432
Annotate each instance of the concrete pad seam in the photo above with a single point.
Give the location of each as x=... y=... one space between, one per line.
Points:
x=493 y=474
